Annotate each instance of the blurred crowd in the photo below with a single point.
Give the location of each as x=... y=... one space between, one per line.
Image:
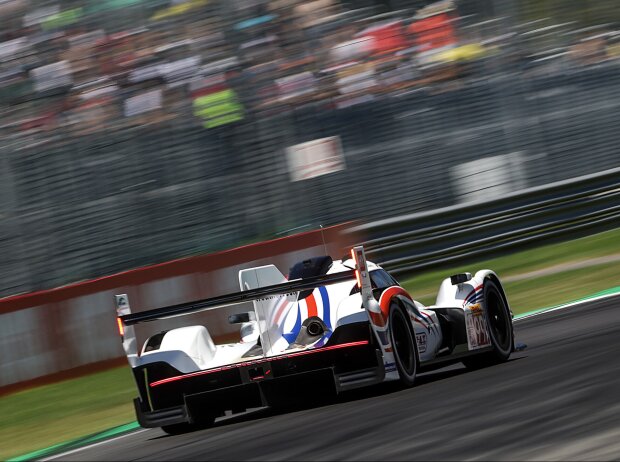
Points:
x=89 y=66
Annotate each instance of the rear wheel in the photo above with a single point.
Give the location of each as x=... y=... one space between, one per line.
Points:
x=500 y=329
x=403 y=344
x=178 y=429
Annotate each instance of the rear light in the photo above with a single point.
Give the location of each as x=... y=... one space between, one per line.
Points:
x=358 y=277
x=121 y=328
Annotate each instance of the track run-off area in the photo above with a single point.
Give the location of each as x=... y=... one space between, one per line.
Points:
x=557 y=400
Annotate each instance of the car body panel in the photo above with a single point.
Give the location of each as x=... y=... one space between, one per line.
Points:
x=352 y=343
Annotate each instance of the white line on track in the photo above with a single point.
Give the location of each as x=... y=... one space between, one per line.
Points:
x=567 y=305
x=99 y=443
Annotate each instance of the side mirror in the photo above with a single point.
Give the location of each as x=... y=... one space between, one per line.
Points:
x=240 y=318
x=460 y=278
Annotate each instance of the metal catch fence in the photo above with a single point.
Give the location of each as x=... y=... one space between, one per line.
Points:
x=104 y=169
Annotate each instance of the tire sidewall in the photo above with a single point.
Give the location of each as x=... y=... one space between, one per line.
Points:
x=491 y=288
x=395 y=312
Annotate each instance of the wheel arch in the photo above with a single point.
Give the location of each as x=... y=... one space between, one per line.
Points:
x=398 y=299
x=490 y=275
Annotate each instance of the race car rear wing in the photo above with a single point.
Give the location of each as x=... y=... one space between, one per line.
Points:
x=222 y=301
x=126 y=320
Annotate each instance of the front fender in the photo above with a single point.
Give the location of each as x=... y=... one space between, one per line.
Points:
x=467 y=293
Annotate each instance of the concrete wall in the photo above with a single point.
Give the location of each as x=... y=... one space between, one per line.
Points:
x=45 y=333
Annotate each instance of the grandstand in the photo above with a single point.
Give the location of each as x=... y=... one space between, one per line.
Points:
x=134 y=132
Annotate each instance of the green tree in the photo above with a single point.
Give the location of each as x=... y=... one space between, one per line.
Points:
x=584 y=13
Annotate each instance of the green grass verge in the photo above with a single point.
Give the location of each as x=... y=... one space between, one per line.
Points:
x=51 y=414
x=529 y=294
x=555 y=289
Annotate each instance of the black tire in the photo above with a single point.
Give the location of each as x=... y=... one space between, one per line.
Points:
x=180 y=428
x=499 y=323
x=404 y=345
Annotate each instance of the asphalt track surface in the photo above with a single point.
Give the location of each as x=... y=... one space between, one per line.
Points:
x=557 y=400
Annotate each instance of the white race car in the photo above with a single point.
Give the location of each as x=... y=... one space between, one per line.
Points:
x=332 y=325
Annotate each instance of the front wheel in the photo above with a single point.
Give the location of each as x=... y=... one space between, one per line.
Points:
x=403 y=344
x=500 y=329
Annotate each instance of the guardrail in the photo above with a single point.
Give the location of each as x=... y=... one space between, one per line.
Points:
x=73 y=204
x=460 y=232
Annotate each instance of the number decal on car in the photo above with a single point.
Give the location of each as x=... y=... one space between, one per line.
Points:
x=477 y=330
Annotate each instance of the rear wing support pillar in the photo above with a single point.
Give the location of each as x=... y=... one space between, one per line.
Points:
x=378 y=318
x=127 y=333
